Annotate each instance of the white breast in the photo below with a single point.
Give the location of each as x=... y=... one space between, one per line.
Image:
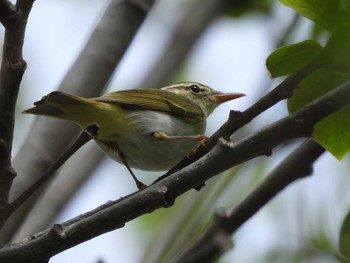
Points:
x=143 y=151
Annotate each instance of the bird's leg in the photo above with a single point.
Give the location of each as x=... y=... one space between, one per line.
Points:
x=160 y=135
x=140 y=185
x=192 y=154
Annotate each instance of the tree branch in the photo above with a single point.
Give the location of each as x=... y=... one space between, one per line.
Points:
x=217 y=238
x=163 y=193
x=14 y=19
x=90 y=132
x=65 y=185
x=6 y=9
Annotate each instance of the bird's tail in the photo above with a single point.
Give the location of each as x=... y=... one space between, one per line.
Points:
x=62 y=105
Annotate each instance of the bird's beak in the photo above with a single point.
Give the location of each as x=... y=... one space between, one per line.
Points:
x=223 y=97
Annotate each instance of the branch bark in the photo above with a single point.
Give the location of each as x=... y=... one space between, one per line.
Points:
x=224 y=155
x=90 y=132
x=65 y=185
x=14 y=19
x=217 y=238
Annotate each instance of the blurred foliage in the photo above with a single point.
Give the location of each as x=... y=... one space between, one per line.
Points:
x=344 y=240
x=180 y=226
x=244 y=7
x=322 y=12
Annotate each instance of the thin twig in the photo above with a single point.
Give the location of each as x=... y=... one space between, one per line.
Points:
x=90 y=132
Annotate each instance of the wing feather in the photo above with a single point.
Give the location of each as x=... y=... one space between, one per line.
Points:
x=154 y=99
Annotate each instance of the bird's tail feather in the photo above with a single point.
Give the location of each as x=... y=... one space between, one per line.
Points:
x=60 y=105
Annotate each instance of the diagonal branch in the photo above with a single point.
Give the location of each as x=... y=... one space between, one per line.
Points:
x=90 y=132
x=217 y=238
x=224 y=155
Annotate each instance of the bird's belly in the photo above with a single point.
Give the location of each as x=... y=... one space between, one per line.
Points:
x=145 y=156
x=143 y=151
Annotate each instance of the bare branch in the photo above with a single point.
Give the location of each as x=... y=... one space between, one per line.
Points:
x=65 y=185
x=217 y=238
x=14 y=19
x=90 y=132
x=6 y=9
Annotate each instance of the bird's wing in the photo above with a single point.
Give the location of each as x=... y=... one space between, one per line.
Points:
x=154 y=99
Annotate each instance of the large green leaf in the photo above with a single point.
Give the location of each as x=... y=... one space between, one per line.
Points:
x=333 y=132
x=288 y=59
x=323 y=12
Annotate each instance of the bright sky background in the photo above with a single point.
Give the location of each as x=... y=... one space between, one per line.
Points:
x=230 y=56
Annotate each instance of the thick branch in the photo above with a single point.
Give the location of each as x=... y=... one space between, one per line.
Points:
x=217 y=237
x=163 y=193
x=14 y=19
x=6 y=9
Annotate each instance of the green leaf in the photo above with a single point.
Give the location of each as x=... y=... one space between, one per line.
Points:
x=338 y=45
x=251 y=6
x=344 y=239
x=288 y=59
x=333 y=132
x=323 y=12
x=315 y=85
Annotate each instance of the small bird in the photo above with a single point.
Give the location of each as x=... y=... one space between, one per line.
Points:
x=147 y=129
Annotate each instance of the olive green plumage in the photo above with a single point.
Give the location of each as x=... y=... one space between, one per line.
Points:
x=130 y=119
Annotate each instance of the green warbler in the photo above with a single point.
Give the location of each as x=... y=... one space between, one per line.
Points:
x=147 y=129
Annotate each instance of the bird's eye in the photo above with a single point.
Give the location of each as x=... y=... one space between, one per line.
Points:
x=195 y=88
